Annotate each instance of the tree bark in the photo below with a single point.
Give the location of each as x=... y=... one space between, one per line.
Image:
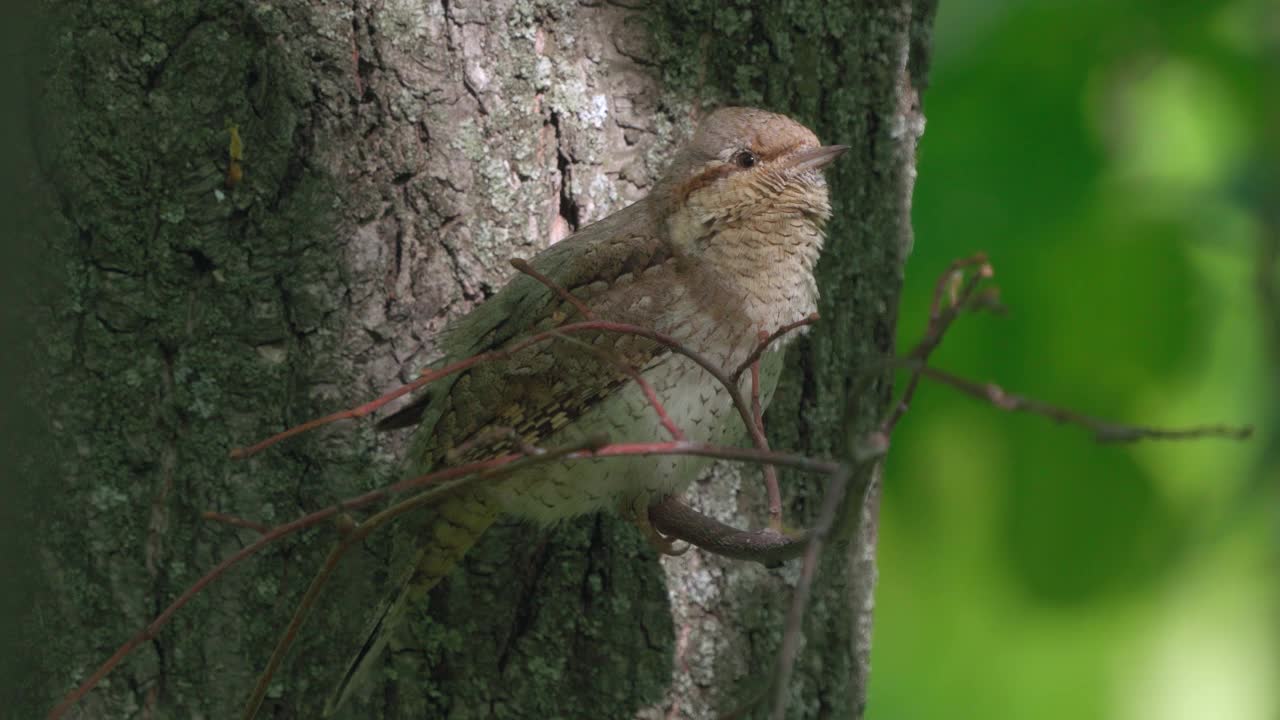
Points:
x=395 y=154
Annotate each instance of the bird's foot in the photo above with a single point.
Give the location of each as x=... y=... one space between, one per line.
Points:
x=637 y=513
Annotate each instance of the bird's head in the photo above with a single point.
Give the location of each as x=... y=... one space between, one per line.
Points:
x=746 y=167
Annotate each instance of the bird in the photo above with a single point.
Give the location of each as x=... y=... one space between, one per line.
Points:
x=722 y=249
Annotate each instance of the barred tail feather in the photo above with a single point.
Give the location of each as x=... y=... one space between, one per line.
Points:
x=458 y=524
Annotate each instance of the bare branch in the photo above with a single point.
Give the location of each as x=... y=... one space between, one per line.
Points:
x=770 y=472
x=523 y=266
x=352 y=534
x=960 y=293
x=276 y=533
x=594 y=447
x=770 y=339
x=650 y=395
x=299 y=614
x=1103 y=430
x=234 y=521
x=431 y=375
x=868 y=450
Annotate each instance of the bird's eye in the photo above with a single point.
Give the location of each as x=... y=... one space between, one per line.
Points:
x=744 y=158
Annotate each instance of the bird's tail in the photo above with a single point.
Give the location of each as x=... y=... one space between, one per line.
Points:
x=456 y=525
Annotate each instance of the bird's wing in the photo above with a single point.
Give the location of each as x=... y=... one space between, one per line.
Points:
x=538 y=390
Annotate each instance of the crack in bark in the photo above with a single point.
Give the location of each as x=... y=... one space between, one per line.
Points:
x=569 y=209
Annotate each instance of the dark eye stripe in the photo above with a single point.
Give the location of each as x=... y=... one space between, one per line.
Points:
x=703 y=179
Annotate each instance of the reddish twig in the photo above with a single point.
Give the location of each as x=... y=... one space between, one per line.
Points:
x=275 y=533
x=163 y=618
x=352 y=535
x=595 y=448
x=1103 y=430
x=524 y=267
x=672 y=428
x=766 y=341
x=429 y=376
x=770 y=473
x=649 y=393
x=234 y=521
x=349 y=414
x=295 y=624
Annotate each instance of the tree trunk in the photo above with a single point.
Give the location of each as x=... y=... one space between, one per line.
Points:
x=395 y=153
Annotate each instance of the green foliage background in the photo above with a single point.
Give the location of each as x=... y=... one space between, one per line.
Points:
x=1118 y=162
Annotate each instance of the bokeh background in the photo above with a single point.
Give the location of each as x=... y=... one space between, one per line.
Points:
x=1118 y=161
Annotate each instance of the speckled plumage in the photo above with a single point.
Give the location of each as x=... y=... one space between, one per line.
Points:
x=722 y=249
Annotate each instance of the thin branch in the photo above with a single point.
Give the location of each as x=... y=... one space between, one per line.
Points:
x=672 y=428
x=276 y=533
x=593 y=448
x=959 y=293
x=349 y=414
x=299 y=614
x=769 y=340
x=523 y=266
x=870 y=448
x=429 y=376
x=751 y=417
x=352 y=535
x=769 y=471
x=234 y=521
x=163 y=618
x=650 y=395
x=800 y=598
x=590 y=448
x=1103 y=430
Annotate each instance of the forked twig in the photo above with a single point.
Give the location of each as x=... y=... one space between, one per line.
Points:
x=593 y=448
x=767 y=340
x=431 y=375
x=754 y=422
x=961 y=295
x=265 y=539
x=954 y=293
x=354 y=534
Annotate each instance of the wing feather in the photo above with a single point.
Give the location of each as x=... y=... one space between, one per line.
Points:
x=540 y=389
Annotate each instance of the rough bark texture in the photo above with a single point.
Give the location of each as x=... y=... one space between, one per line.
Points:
x=396 y=153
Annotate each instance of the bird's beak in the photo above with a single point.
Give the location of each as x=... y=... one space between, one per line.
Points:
x=816 y=158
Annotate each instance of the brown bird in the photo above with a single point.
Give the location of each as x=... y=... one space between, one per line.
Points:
x=722 y=249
